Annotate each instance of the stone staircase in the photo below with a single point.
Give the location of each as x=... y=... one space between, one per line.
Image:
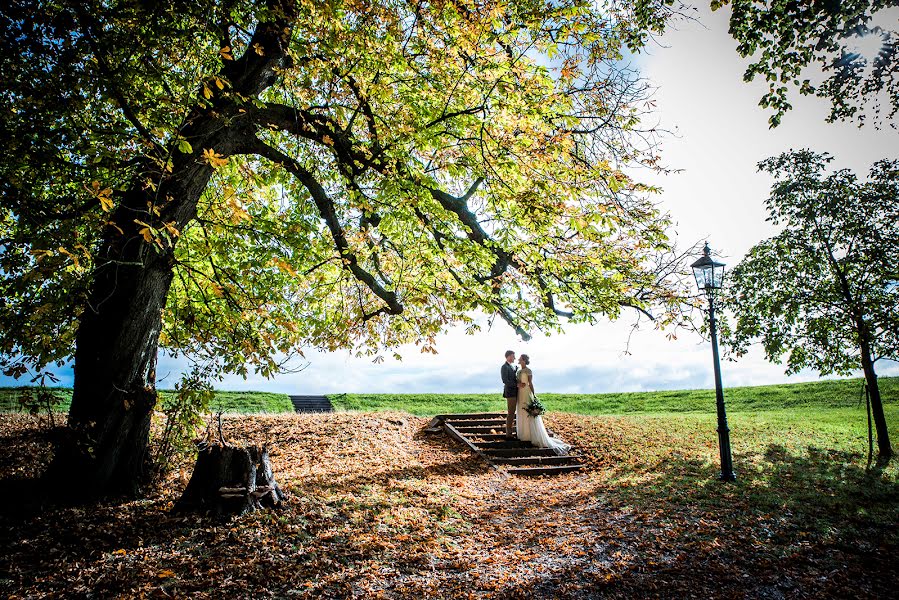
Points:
x=484 y=434
x=311 y=404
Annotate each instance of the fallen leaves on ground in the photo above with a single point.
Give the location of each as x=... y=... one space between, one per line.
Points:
x=378 y=508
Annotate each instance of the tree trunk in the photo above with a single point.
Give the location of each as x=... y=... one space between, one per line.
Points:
x=884 y=450
x=231 y=481
x=118 y=332
x=117 y=341
x=115 y=355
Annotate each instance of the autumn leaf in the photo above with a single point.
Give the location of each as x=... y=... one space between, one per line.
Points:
x=213 y=158
x=146 y=230
x=40 y=254
x=103 y=195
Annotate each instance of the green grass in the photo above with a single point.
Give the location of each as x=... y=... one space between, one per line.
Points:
x=839 y=393
x=9 y=398
x=230 y=402
x=831 y=394
x=250 y=402
x=803 y=479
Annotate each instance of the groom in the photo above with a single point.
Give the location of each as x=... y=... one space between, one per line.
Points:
x=510 y=390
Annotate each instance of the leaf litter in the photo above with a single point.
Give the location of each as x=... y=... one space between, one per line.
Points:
x=377 y=508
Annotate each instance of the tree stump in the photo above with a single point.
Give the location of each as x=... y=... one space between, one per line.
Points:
x=228 y=480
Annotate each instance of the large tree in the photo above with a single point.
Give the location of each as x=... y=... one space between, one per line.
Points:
x=237 y=180
x=824 y=291
x=854 y=42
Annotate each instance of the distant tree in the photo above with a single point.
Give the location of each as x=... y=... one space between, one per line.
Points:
x=237 y=180
x=860 y=60
x=824 y=291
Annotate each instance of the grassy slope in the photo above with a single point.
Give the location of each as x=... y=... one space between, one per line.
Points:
x=842 y=393
x=829 y=394
x=237 y=402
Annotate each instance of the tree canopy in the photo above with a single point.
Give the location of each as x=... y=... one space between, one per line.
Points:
x=804 y=291
x=369 y=172
x=858 y=55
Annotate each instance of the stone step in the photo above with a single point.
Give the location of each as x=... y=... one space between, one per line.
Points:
x=548 y=470
x=478 y=438
x=478 y=423
x=535 y=460
x=482 y=429
x=518 y=452
x=310 y=404
x=502 y=442
x=471 y=416
x=484 y=434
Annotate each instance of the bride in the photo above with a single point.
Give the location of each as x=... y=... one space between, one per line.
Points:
x=530 y=428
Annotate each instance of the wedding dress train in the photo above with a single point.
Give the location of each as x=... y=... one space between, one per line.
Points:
x=531 y=429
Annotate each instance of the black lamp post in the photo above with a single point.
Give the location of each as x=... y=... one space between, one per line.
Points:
x=709 y=275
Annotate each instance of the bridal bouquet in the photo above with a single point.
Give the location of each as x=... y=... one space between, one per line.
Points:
x=535 y=408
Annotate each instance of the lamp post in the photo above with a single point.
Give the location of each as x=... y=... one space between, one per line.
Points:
x=709 y=276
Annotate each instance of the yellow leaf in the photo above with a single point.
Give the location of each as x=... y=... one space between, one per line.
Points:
x=121 y=551
x=327 y=140
x=258 y=49
x=41 y=254
x=207 y=93
x=173 y=231
x=104 y=196
x=225 y=53
x=165 y=574
x=70 y=255
x=214 y=158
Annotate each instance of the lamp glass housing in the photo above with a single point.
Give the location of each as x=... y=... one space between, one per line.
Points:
x=709 y=273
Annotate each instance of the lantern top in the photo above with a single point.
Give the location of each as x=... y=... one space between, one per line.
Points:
x=706 y=261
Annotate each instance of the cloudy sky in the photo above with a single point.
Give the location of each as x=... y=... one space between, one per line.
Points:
x=720 y=134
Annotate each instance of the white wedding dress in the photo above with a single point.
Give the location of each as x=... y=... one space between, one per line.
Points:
x=531 y=429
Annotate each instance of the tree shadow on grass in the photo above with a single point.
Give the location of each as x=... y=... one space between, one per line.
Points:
x=812 y=524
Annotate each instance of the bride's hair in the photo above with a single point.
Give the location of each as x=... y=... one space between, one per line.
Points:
x=525 y=358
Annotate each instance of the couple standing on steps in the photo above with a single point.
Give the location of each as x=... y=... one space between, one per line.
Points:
x=518 y=390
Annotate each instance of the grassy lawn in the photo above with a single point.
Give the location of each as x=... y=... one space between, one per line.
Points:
x=841 y=393
x=250 y=402
x=231 y=402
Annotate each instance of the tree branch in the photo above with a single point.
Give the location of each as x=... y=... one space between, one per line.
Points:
x=329 y=214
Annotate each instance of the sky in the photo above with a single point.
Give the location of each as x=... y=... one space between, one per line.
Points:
x=719 y=134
